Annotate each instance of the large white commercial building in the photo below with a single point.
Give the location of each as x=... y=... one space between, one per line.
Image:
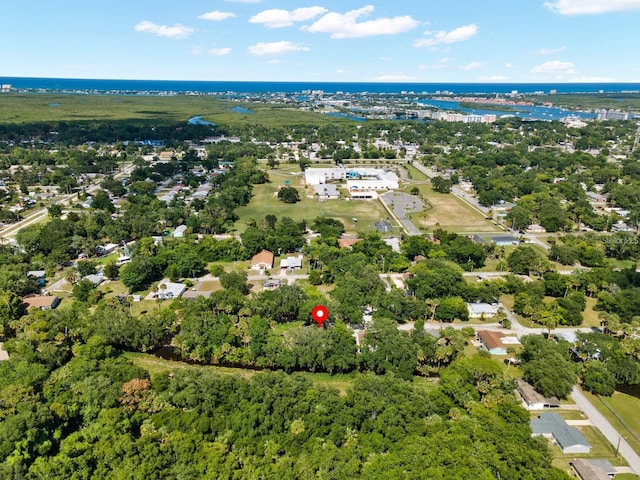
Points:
x=357 y=178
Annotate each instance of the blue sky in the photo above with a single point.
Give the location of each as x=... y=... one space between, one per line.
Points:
x=344 y=41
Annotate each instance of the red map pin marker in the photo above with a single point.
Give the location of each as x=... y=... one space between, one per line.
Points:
x=319 y=314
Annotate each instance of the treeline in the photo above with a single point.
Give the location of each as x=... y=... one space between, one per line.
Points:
x=97 y=416
x=600 y=360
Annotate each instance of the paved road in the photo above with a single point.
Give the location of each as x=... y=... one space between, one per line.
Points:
x=632 y=458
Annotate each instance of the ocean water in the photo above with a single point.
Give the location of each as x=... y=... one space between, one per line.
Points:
x=177 y=86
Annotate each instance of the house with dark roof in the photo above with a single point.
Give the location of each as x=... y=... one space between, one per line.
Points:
x=588 y=470
x=532 y=400
x=552 y=425
x=272 y=284
x=505 y=240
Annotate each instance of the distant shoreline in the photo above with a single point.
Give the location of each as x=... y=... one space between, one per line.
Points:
x=176 y=87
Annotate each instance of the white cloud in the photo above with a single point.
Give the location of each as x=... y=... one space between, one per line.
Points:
x=591 y=7
x=459 y=34
x=554 y=67
x=276 y=48
x=346 y=25
x=393 y=77
x=386 y=59
x=216 y=16
x=471 y=66
x=275 y=61
x=591 y=79
x=442 y=63
x=493 y=78
x=550 y=51
x=177 y=31
x=342 y=71
x=196 y=49
x=220 y=51
x=508 y=65
x=277 y=18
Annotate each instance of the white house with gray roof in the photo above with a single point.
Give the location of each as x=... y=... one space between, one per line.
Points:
x=552 y=425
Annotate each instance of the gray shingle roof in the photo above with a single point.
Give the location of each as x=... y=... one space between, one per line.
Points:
x=554 y=424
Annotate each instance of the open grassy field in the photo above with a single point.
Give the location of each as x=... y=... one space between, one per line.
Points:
x=35 y=108
x=447 y=211
x=265 y=202
x=621 y=409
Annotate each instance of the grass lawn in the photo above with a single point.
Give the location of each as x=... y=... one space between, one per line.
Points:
x=242 y=265
x=625 y=419
x=209 y=286
x=447 y=211
x=113 y=288
x=600 y=448
x=265 y=202
x=590 y=316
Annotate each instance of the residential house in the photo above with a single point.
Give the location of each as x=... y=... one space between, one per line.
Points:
x=262 y=261
x=598 y=198
x=179 y=231
x=107 y=249
x=482 y=310
x=43 y=302
x=588 y=469
x=552 y=425
x=290 y=264
x=347 y=242
x=272 y=284
x=168 y=290
x=505 y=240
x=38 y=276
x=492 y=342
x=96 y=279
x=535 y=228
x=532 y=400
x=622 y=227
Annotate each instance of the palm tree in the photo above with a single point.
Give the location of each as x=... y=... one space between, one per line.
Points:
x=72 y=277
